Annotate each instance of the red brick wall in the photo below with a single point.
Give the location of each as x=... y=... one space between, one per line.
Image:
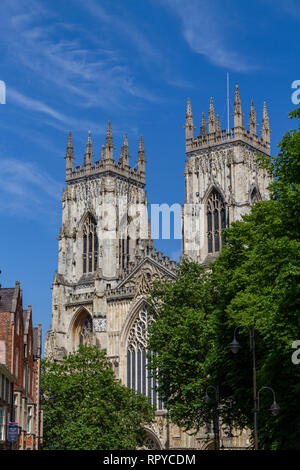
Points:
x=29 y=353
x=4 y=318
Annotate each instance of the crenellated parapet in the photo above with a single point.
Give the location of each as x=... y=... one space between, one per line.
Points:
x=106 y=164
x=212 y=134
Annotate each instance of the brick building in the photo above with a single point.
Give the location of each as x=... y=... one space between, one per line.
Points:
x=6 y=404
x=20 y=351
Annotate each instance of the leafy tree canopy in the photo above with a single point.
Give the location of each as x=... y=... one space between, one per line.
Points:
x=255 y=282
x=86 y=408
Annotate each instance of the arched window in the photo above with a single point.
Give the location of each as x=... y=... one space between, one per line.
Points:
x=90 y=245
x=152 y=442
x=83 y=329
x=138 y=376
x=255 y=197
x=216 y=221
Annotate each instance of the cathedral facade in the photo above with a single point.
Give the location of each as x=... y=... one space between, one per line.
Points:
x=107 y=261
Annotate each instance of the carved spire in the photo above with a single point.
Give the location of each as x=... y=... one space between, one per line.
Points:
x=211 y=118
x=109 y=147
x=189 y=123
x=237 y=113
x=88 y=155
x=218 y=127
x=141 y=154
x=69 y=156
x=266 y=125
x=252 y=122
x=70 y=148
x=124 y=154
x=203 y=129
x=141 y=157
x=102 y=153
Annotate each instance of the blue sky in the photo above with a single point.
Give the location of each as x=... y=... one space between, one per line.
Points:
x=74 y=64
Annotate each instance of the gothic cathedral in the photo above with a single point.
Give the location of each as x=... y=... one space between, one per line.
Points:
x=107 y=261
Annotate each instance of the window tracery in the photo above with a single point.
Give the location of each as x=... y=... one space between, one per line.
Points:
x=90 y=245
x=138 y=376
x=216 y=221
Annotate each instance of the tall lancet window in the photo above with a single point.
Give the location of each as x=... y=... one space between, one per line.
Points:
x=90 y=245
x=138 y=376
x=216 y=222
x=124 y=244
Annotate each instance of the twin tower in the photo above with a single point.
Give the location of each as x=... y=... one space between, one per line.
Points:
x=222 y=180
x=106 y=259
x=222 y=177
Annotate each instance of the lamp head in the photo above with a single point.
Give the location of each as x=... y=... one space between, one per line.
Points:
x=234 y=346
x=275 y=408
x=207 y=398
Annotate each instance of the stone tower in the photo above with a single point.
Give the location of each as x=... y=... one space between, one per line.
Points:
x=222 y=177
x=104 y=234
x=106 y=266
x=107 y=262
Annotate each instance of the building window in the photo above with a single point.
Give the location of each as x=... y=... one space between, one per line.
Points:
x=208 y=428
x=90 y=245
x=216 y=222
x=138 y=376
x=82 y=330
x=28 y=382
x=124 y=244
x=6 y=391
x=18 y=324
x=15 y=407
x=29 y=419
x=2 y=424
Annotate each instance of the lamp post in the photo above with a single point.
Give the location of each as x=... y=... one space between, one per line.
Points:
x=275 y=408
x=216 y=414
x=235 y=347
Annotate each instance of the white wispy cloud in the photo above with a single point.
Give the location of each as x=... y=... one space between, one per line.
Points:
x=27 y=191
x=35 y=105
x=126 y=29
x=22 y=178
x=204 y=27
x=95 y=73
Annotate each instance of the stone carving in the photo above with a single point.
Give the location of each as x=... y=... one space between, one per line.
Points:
x=99 y=324
x=86 y=333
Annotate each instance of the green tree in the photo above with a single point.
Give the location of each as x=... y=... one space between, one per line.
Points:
x=254 y=282
x=86 y=408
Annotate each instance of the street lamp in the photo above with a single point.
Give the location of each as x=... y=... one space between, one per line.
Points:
x=235 y=347
x=216 y=414
x=275 y=408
